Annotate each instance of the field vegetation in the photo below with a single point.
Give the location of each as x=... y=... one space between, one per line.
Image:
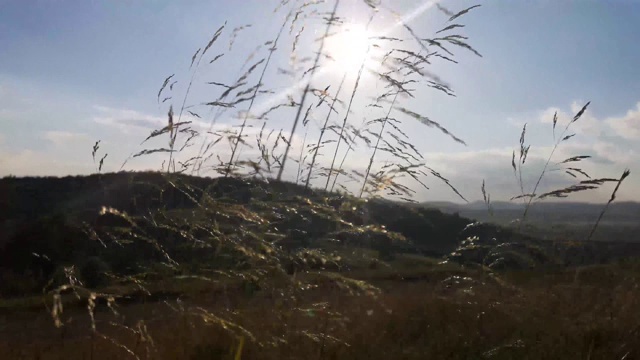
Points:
x=245 y=244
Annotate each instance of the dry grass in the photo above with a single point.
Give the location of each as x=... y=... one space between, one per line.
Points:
x=567 y=166
x=409 y=313
x=553 y=316
x=399 y=71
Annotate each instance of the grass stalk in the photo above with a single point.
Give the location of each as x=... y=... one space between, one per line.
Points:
x=301 y=158
x=255 y=94
x=306 y=90
x=546 y=165
x=346 y=117
x=375 y=149
x=611 y=199
x=322 y=131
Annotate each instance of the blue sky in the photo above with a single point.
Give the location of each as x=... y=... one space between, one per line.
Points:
x=73 y=72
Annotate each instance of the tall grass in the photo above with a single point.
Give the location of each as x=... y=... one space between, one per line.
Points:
x=569 y=166
x=305 y=92
x=396 y=61
x=265 y=257
x=255 y=93
x=546 y=318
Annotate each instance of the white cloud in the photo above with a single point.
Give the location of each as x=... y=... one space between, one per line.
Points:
x=627 y=126
x=133 y=122
x=587 y=124
x=128 y=121
x=614 y=154
x=65 y=138
x=466 y=171
x=140 y=125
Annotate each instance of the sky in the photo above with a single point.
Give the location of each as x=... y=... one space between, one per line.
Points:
x=76 y=71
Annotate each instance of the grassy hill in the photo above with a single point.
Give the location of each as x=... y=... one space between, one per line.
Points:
x=70 y=219
x=129 y=222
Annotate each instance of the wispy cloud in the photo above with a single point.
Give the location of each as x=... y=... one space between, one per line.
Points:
x=65 y=138
x=467 y=170
x=614 y=154
x=134 y=122
x=127 y=121
x=627 y=126
x=587 y=125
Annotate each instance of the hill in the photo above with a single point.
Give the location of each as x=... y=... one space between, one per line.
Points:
x=556 y=220
x=131 y=222
x=557 y=212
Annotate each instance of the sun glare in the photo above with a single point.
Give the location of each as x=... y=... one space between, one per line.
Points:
x=348 y=47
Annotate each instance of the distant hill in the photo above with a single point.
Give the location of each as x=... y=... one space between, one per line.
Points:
x=555 y=212
x=556 y=220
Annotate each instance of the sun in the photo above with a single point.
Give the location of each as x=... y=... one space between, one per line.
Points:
x=349 y=47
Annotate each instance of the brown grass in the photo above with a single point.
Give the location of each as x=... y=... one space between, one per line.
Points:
x=552 y=316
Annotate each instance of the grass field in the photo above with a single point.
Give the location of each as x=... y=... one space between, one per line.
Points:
x=413 y=309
